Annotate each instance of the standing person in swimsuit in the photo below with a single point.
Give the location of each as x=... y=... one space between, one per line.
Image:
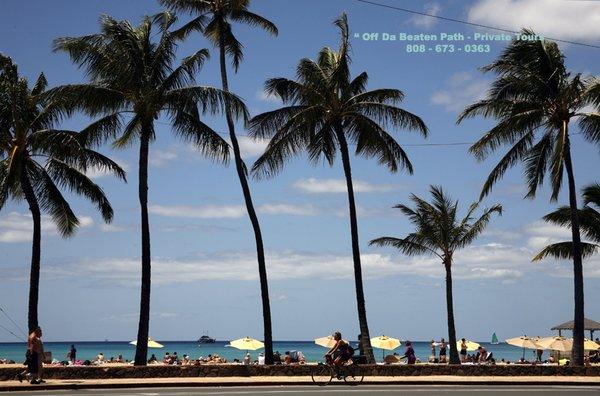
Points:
x=342 y=348
x=36 y=356
x=443 y=351
x=463 y=350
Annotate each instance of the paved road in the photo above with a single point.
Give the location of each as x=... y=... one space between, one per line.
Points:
x=384 y=390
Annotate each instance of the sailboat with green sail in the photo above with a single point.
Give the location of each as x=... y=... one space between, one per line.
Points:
x=494 y=339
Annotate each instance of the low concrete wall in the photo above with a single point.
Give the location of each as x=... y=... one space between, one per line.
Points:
x=235 y=370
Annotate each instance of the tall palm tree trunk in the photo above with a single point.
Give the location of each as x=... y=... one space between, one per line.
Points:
x=141 y=350
x=578 y=330
x=34 y=276
x=454 y=359
x=260 y=252
x=360 y=295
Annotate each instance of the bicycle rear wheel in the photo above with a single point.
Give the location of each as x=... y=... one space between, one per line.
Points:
x=352 y=374
x=321 y=374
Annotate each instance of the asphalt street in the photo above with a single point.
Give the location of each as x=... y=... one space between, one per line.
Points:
x=365 y=390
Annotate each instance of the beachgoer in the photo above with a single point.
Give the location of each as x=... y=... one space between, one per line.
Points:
x=539 y=353
x=36 y=356
x=443 y=347
x=432 y=357
x=185 y=361
x=167 y=358
x=247 y=359
x=175 y=358
x=72 y=355
x=409 y=354
x=100 y=358
x=120 y=359
x=261 y=359
x=152 y=359
x=276 y=358
x=482 y=354
x=463 y=350
x=344 y=351
x=287 y=358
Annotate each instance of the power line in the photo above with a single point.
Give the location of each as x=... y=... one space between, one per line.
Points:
x=466 y=22
x=13 y=322
x=8 y=330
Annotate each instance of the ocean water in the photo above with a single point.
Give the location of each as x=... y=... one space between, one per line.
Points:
x=313 y=353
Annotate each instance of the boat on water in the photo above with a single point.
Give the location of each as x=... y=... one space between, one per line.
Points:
x=494 y=339
x=205 y=339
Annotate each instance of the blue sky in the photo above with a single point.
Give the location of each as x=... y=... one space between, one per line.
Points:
x=204 y=270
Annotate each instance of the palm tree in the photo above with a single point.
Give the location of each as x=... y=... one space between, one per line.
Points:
x=589 y=221
x=534 y=98
x=132 y=74
x=214 y=19
x=324 y=110
x=439 y=232
x=38 y=160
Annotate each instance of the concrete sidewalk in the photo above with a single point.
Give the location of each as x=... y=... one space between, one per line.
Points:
x=56 y=384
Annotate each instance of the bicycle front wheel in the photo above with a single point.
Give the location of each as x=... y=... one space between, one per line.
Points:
x=321 y=374
x=353 y=375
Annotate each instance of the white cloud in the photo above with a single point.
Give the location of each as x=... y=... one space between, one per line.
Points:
x=541 y=234
x=283 y=209
x=570 y=20
x=265 y=97
x=111 y=228
x=460 y=90
x=269 y=209
x=480 y=262
x=16 y=227
x=162 y=157
x=250 y=147
x=333 y=186
x=426 y=22
x=201 y=212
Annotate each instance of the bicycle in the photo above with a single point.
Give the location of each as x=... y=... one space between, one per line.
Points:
x=323 y=373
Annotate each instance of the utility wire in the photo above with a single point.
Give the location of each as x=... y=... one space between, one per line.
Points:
x=13 y=322
x=9 y=331
x=373 y=3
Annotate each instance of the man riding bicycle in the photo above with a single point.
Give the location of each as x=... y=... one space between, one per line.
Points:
x=340 y=353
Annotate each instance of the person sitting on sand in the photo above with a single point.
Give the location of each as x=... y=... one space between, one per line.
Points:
x=482 y=354
x=100 y=358
x=343 y=349
x=185 y=361
x=167 y=358
x=247 y=359
x=276 y=358
x=120 y=359
x=152 y=359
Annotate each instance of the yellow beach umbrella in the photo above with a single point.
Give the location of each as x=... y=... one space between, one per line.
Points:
x=555 y=343
x=384 y=342
x=151 y=343
x=590 y=345
x=524 y=342
x=327 y=342
x=471 y=345
x=247 y=344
